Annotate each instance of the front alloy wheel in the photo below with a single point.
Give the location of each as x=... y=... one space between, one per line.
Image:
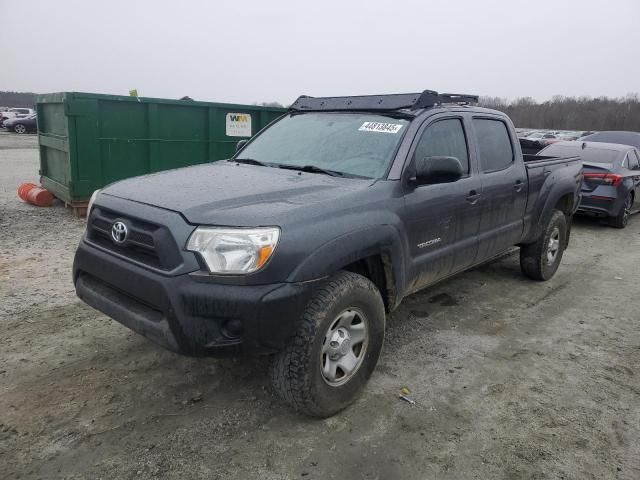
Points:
x=334 y=348
x=344 y=347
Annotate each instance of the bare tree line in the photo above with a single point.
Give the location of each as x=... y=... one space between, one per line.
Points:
x=559 y=113
x=571 y=113
x=17 y=99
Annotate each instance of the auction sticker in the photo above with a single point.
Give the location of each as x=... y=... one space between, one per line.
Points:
x=238 y=125
x=380 y=127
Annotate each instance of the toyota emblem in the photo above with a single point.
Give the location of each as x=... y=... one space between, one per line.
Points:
x=119 y=232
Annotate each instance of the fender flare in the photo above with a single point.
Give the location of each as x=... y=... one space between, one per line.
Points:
x=384 y=240
x=557 y=192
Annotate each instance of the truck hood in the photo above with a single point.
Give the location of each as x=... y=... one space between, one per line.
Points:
x=225 y=193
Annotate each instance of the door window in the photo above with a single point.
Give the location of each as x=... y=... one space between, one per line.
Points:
x=494 y=144
x=444 y=138
x=634 y=162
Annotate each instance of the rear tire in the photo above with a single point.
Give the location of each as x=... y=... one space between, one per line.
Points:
x=343 y=324
x=19 y=128
x=621 y=220
x=540 y=260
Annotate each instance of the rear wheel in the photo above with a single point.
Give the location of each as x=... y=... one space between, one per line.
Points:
x=19 y=128
x=622 y=218
x=540 y=260
x=335 y=347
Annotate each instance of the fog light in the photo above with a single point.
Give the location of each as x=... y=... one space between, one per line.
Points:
x=232 y=328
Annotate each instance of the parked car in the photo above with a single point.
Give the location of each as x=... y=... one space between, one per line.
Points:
x=611 y=178
x=540 y=135
x=535 y=141
x=613 y=136
x=13 y=112
x=559 y=137
x=324 y=221
x=22 y=124
x=568 y=136
x=524 y=133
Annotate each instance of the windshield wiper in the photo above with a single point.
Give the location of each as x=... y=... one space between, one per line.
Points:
x=312 y=169
x=249 y=161
x=302 y=168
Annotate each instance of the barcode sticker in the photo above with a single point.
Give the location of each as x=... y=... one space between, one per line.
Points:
x=380 y=127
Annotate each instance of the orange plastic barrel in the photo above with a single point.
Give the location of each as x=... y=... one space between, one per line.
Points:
x=40 y=197
x=24 y=189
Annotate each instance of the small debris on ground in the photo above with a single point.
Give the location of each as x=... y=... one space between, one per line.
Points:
x=407 y=399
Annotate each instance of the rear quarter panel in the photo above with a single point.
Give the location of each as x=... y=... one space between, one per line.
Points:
x=549 y=182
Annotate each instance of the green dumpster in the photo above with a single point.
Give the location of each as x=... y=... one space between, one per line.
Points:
x=89 y=140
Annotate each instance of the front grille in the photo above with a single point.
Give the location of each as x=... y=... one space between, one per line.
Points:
x=140 y=244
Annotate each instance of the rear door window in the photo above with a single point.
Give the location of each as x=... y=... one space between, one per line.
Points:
x=633 y=160
x=494 y=144
x=444 y=138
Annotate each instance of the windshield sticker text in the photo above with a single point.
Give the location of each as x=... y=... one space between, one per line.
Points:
x=380 y=127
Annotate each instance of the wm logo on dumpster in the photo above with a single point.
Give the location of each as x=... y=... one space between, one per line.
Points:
x=238 y=125
x=234 y=117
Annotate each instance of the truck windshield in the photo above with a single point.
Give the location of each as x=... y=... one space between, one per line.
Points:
x=352 y=144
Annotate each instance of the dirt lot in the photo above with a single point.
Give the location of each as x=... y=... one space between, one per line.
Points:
x=512 y=378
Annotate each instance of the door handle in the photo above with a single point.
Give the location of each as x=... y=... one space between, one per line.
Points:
x=518 y=185
x=546 y=171
x=472 y=197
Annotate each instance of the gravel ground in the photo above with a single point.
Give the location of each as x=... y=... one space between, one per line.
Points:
x=512 y=378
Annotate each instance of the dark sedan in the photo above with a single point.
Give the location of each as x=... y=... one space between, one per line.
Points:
x=615 y=136
x=24 y=124
x=611 y=178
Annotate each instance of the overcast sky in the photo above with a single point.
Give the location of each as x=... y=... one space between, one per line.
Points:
x=248 y=51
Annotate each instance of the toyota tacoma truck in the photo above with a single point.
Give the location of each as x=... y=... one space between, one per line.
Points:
x=301 y=243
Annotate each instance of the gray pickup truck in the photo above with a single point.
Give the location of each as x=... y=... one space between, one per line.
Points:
x=321 y=224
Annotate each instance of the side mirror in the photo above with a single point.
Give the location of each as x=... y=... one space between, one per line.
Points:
x=241 y=144
x=430 y=170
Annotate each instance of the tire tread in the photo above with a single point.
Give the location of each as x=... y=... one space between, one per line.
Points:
x=532 y=255
x=290 y=370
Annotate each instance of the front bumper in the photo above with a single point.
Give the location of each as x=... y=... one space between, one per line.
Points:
x=187 y=313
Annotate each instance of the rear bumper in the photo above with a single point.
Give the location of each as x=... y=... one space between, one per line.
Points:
x=187 y=313
x=599 y=205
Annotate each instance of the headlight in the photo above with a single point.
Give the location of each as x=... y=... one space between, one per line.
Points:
x=94 y=195
x=234 y=250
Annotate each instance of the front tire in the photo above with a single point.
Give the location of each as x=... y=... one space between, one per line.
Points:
x=19 y=128
x=540 y=260
x=622 y=218
x=334 y=349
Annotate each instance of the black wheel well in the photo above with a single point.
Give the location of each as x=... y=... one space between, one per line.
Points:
x=377 y=268
x=565 y=204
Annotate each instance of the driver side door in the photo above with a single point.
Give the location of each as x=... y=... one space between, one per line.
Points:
x=443 y=220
